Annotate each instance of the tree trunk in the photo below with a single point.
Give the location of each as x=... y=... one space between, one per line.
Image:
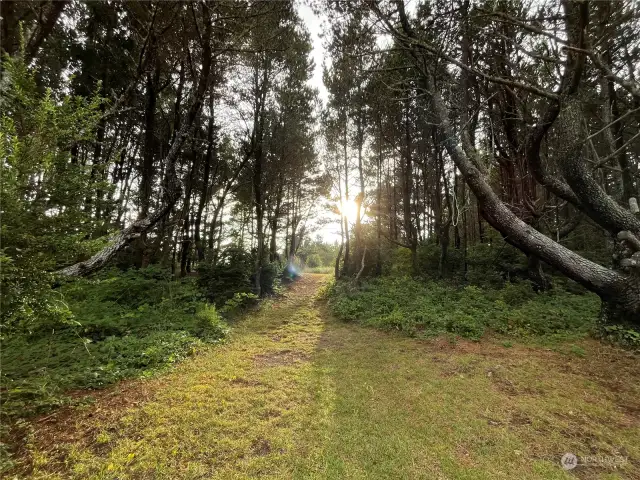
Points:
x=379 y=203
x=147 y=174
x=337 y=265
x=204 y=192
x=345 y=265
x=173 y=189
x=360 y=197
x=407 y=187
x=44 y=29
x=620 y=292
x=535 y=273
x=273 y=252
x=186 y=209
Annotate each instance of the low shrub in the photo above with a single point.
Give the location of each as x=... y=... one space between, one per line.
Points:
x=314 y=261
x=228 y=275
x=623 y=335
x=123 y=324
x=234 y=273
x=239 y=302
x=432 y=308
x=271 y=277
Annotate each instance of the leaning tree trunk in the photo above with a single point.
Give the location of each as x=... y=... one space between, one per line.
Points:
x=619 y=289
x=173 y=185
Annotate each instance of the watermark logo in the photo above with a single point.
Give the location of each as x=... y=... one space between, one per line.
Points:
x=569 y=461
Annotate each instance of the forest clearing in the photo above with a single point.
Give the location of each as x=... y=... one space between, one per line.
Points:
x=297 y=394
x=378 y=239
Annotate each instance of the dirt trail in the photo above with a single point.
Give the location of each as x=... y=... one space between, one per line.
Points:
x=296 y=394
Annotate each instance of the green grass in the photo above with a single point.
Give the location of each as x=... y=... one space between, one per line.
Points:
x=295 y=393
x=427 y=309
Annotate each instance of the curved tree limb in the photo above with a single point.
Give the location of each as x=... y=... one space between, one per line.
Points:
x=595 y=202
x=44 y=29
x=173 y=190
x=607 y=283
x=631 y=87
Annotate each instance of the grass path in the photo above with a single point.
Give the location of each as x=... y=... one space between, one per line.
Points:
x=295 y=394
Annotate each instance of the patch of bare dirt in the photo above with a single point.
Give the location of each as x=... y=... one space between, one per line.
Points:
x=261 y=447
x=243 y=382
x=281 y=357
x=75 y=424
x=270 y=413
x=611 y=367
x=519 y=419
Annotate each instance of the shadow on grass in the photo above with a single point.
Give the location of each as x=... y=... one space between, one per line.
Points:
x=387 y=406
x=297 y=394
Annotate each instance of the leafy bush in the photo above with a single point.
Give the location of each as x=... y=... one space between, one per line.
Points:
x=314 y=261
x=44 y=224
x=270 y=278
x=233 y=273
x=240 y=301
x=229 y=275
x=433 y=308
x=400 y=264
x=123 y=324
x=27 y=301
x=623 y=335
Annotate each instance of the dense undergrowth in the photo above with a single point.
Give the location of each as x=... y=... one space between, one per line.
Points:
x=426 y=309
x=118 y=325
